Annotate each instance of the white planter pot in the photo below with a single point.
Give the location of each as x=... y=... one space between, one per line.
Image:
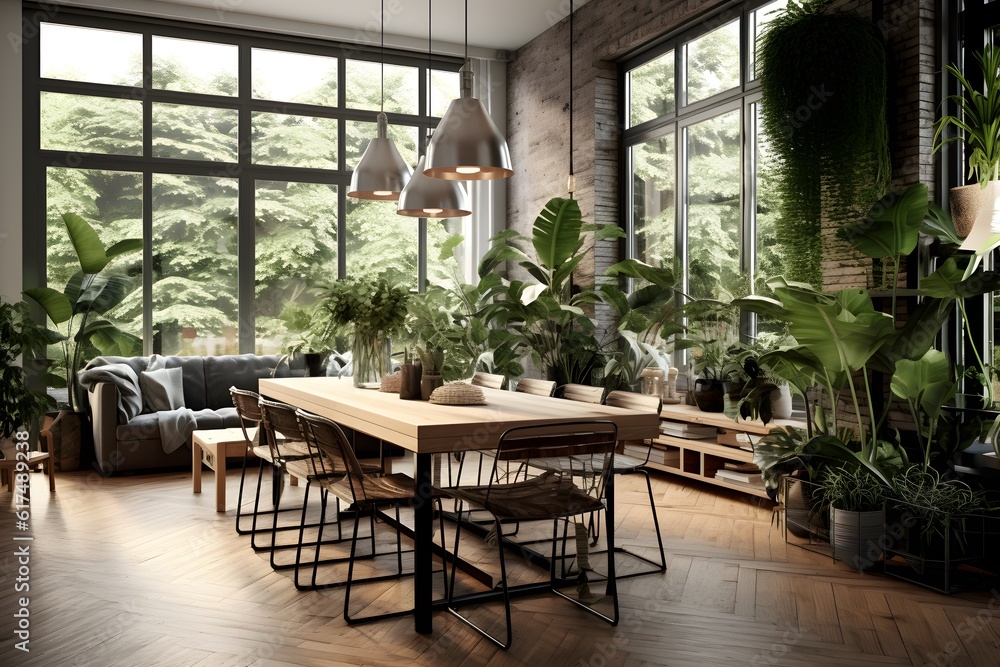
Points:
x=781 y=402
x=856 y=537
x=988 y=221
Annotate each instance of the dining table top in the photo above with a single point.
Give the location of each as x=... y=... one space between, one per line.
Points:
x=429 y=428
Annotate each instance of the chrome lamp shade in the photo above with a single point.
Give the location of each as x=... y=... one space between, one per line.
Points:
x=426 y=197
x=467 y=145
x=381 y=173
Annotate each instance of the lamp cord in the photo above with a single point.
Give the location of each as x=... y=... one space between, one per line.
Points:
x=381 y=56
x=430 y=60
x=466 y=30
x=571 y=88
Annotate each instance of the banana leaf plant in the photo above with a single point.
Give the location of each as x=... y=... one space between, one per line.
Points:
x=547 y=314
x=840 y=336
x=76 y=311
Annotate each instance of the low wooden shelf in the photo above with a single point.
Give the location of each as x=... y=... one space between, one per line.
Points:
x=700 y=459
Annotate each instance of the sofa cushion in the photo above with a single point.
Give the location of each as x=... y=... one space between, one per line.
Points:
x=241 y=371
x=162 y=389
x=147 y=426
x=193 y=371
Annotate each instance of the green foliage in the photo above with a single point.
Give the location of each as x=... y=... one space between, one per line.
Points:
x=823 y=86
x=852 y=490
x=20 y=337
x=978 y=119
x=374 y=306
x=547 y=316
x=88 y=294
x=935 y=501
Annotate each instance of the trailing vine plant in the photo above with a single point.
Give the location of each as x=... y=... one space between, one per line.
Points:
x=823 y=106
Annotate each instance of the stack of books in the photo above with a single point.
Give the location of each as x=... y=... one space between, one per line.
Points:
x=741 y=474
x=686 y=430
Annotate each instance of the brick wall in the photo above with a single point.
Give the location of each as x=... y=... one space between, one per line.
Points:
x=607 y=30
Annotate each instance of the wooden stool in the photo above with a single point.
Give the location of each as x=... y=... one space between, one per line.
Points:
x=41 y=458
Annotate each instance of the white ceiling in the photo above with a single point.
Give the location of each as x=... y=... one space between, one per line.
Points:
x=493 y=24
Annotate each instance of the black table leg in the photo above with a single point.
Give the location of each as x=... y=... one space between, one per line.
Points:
x=423 y=520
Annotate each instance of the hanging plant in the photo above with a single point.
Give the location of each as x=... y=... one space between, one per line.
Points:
x=823 y=87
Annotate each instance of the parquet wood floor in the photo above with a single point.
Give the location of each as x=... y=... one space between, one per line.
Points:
x=138 y=571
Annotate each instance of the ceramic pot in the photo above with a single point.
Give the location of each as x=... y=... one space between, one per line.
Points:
x=428 y=383
x=409 y=388
x=855 y=537
x=781 y=403
x=965 y=202
x=709 y=395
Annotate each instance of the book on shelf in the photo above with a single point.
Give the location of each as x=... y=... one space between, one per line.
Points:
x=748 y=478
x=686 y=430
x=741 y=467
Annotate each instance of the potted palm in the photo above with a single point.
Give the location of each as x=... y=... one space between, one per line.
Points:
x=977 y=120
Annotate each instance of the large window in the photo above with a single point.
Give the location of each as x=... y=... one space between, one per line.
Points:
x=229 y=154
x=698 y=178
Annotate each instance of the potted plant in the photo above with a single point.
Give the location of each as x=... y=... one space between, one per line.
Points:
x=306 y=338
x=856 y=501
x=547 y=312
x=977 y=120
x=373 y=310
x=20 y=340
x=82 y=332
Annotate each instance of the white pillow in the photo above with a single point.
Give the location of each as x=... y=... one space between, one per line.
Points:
x=162 y=389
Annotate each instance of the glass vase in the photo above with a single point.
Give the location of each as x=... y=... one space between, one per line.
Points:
x=371 y=358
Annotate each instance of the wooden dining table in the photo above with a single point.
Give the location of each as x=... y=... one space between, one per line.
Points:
x=426 y=429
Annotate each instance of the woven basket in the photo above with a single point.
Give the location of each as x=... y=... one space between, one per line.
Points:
x=458 y=393
x=391 y=383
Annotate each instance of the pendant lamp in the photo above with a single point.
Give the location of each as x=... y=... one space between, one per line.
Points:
x=426 y=197
x=381 y=173
x=467 y=145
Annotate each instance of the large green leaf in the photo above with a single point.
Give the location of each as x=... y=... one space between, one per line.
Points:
x=125 y=247
x=892 y=226
x=56 y=305
x=111 y=340
x=926 y=382
x=917 y=335
x=556 y=233
x=842 y=329
x=496 y=256
x=939 y=224
x=103 y=293
x=949 y=282
x=86 y=242
x=633 y=268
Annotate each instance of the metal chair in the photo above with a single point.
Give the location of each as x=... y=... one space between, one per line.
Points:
x=247 y=405
x=536 y=387
x=489 y=380
x=339 y=472
x=543 y=495
x=582 y=393
x=630 y=465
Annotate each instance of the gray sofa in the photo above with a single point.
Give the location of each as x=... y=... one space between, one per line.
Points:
x=136 y=445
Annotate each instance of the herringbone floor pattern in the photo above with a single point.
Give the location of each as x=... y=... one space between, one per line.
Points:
x=138 y=571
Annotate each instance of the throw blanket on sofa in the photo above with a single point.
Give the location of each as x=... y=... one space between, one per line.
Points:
x=176 y=427
x=124 y=379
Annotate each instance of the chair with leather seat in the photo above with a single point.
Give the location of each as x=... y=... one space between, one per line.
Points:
x=543 y=495
x=536 y=387
x=338 y=472
x=489 y=380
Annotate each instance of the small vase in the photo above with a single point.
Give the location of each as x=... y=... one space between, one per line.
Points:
x=409 y=388
x=428 y=383
x=370 y=359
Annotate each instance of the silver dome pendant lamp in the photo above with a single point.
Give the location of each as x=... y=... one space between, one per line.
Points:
x=467 y=145
x=426 y=197
x=381 y=173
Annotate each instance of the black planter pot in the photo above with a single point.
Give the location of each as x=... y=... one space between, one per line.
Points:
x=709 y=395
x=315 y=364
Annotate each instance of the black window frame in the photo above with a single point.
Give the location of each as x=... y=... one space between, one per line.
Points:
x=36 y=161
